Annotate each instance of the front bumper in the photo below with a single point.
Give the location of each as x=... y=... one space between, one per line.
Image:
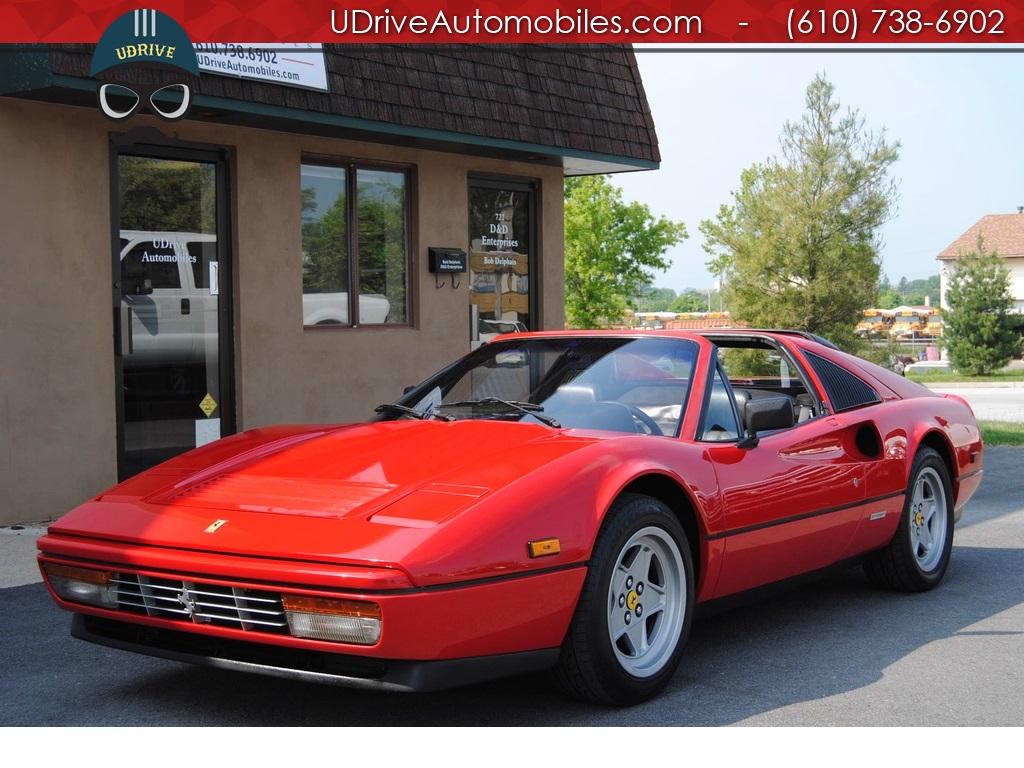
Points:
x=431 y=637
x=308 y=665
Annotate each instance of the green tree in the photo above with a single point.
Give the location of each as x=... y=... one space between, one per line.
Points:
x=888 y=298
x=382 y=229
x=166 y=195
x=798 y=247
x=611 y=248
x=324 y=245
x=654 y=299
x=922 y=289
x=978 y=328
x=689 y=301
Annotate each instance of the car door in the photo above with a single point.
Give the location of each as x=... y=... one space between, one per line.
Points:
x=789 y=504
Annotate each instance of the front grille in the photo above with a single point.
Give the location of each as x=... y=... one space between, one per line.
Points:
x=198 y=603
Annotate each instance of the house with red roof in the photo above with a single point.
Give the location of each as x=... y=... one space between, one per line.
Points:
x=1000 y=233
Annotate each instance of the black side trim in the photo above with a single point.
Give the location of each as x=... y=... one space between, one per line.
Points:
x=314 y=666
x=772 y=589
x=805 y=516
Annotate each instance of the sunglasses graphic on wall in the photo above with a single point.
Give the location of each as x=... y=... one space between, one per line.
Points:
x=168 y=102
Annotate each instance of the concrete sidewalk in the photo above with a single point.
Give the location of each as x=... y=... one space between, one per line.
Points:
x=18 y=555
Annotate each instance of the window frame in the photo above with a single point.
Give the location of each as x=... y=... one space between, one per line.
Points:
x=718 y=372
x=351 y=166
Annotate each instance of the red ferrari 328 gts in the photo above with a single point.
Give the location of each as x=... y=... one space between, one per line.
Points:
x=552 y=501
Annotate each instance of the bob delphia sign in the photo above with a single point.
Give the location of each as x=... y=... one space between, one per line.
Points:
x=447 y=260
x=500 y=261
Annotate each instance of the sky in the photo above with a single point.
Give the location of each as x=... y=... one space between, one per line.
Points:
x=958 y=116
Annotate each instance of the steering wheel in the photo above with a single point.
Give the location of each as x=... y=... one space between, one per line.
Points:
x=644 y=420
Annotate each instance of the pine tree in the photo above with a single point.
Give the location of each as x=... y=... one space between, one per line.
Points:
x=798 y=248
x=978 y=328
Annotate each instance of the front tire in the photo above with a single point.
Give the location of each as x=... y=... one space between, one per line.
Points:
x=918 y=555
x=635 y=609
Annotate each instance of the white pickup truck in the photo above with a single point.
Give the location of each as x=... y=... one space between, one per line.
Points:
x=169 y=287
x=332 y=309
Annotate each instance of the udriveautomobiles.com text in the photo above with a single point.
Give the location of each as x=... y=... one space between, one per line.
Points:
x=443 y=23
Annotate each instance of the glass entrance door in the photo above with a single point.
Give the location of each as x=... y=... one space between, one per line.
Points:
x=171 y=314
x=502 y=238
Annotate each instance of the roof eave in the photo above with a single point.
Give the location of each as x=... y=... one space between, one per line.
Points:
x=39 y=83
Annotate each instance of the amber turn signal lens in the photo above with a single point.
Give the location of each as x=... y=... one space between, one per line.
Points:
x=544 y=547
x=330 y=605
x=79 y=574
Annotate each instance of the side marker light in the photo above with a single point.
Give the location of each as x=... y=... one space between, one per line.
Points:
x=544 y=547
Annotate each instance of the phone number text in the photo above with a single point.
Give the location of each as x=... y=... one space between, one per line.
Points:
x=891 y=25
x=243 y=52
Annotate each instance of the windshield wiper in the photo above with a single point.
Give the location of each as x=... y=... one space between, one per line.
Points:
x=404 y=409
x=530 y=409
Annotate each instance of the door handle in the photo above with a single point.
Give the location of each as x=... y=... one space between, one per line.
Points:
x=186 y=306
x=125 y=321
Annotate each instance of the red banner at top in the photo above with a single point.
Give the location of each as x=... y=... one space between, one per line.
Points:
x=693 y=23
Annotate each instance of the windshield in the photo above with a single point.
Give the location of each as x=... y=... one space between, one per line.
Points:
x=613 y=383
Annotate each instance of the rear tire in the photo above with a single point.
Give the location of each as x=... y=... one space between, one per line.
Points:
x=634 y=612
x=918 y=555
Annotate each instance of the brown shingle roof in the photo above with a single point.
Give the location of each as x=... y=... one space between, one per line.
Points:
x=1003 y=234
x=574 y=101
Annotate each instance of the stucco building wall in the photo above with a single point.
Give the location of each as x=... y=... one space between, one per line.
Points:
x=57 y=367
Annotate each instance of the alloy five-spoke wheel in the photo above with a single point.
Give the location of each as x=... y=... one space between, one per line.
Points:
x=646 y=601
x=918 y=554
x=928 y=519
x=634 y=611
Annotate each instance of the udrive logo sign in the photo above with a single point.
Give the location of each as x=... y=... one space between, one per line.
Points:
x=134 y=42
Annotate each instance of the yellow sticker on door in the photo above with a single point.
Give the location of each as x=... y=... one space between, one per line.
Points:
x=208 y=405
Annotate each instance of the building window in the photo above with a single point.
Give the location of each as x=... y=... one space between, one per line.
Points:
x=355 y=245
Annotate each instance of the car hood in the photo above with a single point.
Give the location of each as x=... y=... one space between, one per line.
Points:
x=368 y=493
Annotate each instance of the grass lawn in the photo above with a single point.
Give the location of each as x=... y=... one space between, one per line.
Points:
x=941 y=377
x=1002 y=433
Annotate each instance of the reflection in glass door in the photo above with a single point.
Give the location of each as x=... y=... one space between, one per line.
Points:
x=502 y=257
x=170 y=306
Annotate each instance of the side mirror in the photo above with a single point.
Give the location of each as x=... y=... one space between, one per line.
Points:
x=766 y=414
